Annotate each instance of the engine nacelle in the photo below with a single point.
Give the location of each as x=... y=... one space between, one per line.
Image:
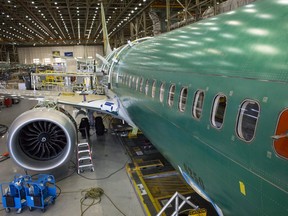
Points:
x=42 y=138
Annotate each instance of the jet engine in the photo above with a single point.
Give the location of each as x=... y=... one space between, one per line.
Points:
x=42 y=138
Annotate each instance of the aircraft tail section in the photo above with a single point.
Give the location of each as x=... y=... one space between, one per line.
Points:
x=107 y=47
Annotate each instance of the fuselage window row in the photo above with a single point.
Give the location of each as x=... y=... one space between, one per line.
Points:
x=247 y=116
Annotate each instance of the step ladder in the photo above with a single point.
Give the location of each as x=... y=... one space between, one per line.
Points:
x=84 y=157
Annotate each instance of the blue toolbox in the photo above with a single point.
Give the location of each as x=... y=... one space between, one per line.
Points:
x=40 y=192
x=13 y=193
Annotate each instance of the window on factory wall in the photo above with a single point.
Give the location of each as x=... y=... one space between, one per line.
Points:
x=47 y=61
x=280 y=138
x=137 y=83
x=162 y=90
x=183 y=99
x=247 y=120
x=36 y=61
x=218 y=110
x=147 y=87
x=171 y=95
x=153 y=89
x=198 y=104
x=141 y=84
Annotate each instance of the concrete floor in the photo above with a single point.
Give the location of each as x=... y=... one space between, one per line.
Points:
x=108 y=157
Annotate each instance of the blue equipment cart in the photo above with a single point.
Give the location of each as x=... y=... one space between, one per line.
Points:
x=40 y=192
x=13 y=193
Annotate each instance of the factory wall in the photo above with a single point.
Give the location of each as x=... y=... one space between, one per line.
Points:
x=47 y=55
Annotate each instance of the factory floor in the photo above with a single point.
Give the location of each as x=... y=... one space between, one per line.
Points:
x=109 y=159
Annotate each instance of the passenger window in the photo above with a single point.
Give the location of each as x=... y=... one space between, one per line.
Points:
x=162 y=90
x=198 y=104
x=133 y=82
x=247 y=120
x=141 y=85
x=147 y=87
x=124 y=78
x=137 y=83
x=120 y=78
x=153 y=89
x=130 y=81
x=183 y=99
x=171 y=95
x=127 y=80
x=281 y=140
x=218 y=110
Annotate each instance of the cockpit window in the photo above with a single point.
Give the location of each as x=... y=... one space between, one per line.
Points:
x=247 y=120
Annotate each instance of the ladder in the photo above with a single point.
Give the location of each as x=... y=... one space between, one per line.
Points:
x=84 y=157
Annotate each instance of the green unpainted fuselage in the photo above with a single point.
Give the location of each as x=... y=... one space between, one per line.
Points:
x=240 y=54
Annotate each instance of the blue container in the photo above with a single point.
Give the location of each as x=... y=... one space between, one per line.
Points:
x=13 y=193
x=41 y=192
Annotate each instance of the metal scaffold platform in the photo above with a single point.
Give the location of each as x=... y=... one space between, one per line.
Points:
x=155 y=180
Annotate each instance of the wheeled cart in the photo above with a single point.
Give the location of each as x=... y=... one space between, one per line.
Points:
x=41 y=192
x=13 y=194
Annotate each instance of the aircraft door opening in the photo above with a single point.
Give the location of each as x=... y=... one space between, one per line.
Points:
x=281 y=135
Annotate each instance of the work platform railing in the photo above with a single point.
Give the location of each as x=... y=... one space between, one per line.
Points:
x=177 y=197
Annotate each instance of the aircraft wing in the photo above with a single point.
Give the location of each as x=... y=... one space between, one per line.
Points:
x=99 y=103
x=30 y=94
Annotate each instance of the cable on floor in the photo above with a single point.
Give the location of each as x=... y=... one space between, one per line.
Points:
x=4 y=158
x=103 y=178
x=60 y=191
x=73 y=171
x=93 y=194
x=114 y=204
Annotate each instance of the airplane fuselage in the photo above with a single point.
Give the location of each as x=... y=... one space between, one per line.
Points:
x=210 y=96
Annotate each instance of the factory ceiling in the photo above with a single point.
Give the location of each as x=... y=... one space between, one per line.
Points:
x=74 y=22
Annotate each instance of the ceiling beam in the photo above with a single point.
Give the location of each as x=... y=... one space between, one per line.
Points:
x=34 y=17
x=88 y=4
x=70 y=17
x=19 y=19
x=48 y=8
